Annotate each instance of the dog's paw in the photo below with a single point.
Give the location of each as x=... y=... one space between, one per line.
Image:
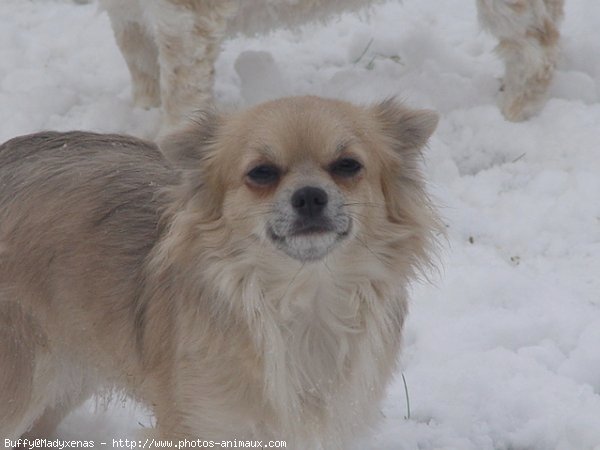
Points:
x=518 y=108
x=522 y=99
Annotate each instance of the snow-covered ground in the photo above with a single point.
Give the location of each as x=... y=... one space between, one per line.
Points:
x=502 y=348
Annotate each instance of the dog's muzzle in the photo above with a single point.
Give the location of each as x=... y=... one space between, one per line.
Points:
x=310 y=226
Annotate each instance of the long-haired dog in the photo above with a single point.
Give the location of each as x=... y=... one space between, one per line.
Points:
x=251 y=285
x=170 y=46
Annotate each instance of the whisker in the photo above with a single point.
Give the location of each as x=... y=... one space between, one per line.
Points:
x=232 y=246
x=292 y=280
x=371 y=204
x=358 y=218
x=364 y=231
x=354 y=214
x=383 y=261
x=265 y=209
x=326 y=266
x=251 y=216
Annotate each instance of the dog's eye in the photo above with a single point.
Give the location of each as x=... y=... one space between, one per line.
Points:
x=345 y=167
x=264 y=174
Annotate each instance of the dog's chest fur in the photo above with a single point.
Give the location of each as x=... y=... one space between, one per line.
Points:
x=327 y=337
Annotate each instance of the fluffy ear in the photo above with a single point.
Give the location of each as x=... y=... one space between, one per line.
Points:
x=193 y=151
x=406 y=129
x=405 y=132
x=187 y=148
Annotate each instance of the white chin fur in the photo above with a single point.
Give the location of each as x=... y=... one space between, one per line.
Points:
x=309 y=247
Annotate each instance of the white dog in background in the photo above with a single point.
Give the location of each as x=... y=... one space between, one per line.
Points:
x=170 y=46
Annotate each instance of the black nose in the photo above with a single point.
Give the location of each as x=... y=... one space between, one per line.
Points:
x=309 y=201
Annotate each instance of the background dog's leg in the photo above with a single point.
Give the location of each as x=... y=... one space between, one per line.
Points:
x=529 y=35
x=138 y=48
x=188 y=36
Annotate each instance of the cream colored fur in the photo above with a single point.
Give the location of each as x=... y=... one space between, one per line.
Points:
x=120 y=270
x=170 y=46
x=529 y=36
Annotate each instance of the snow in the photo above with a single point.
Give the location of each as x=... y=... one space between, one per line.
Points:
x=502 y=346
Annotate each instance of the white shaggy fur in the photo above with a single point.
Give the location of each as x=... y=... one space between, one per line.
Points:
x=171 y=45
x=528 y=35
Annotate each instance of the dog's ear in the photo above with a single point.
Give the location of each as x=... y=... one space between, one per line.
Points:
x=406 y=129
x=404 y=132
x=188 y=148
x=193 y=151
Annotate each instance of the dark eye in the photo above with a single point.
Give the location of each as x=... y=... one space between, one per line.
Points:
x=264 y=174
x=345 y=167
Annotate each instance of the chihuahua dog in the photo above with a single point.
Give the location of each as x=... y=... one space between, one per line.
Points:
x=246 y=280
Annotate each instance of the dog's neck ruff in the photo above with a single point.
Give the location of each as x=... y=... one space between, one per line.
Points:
x=323 y=331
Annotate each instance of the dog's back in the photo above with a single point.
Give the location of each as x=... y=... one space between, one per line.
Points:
x=79 y=213
x=62 y=192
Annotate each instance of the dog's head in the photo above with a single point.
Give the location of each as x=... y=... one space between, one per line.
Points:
x=306 y=176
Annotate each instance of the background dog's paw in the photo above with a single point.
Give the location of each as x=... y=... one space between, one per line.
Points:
x=518 y=109
x=521 y=102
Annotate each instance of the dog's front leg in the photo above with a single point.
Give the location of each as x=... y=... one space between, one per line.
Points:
x=188 y=37
x=528 y=34
x=138 y=48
